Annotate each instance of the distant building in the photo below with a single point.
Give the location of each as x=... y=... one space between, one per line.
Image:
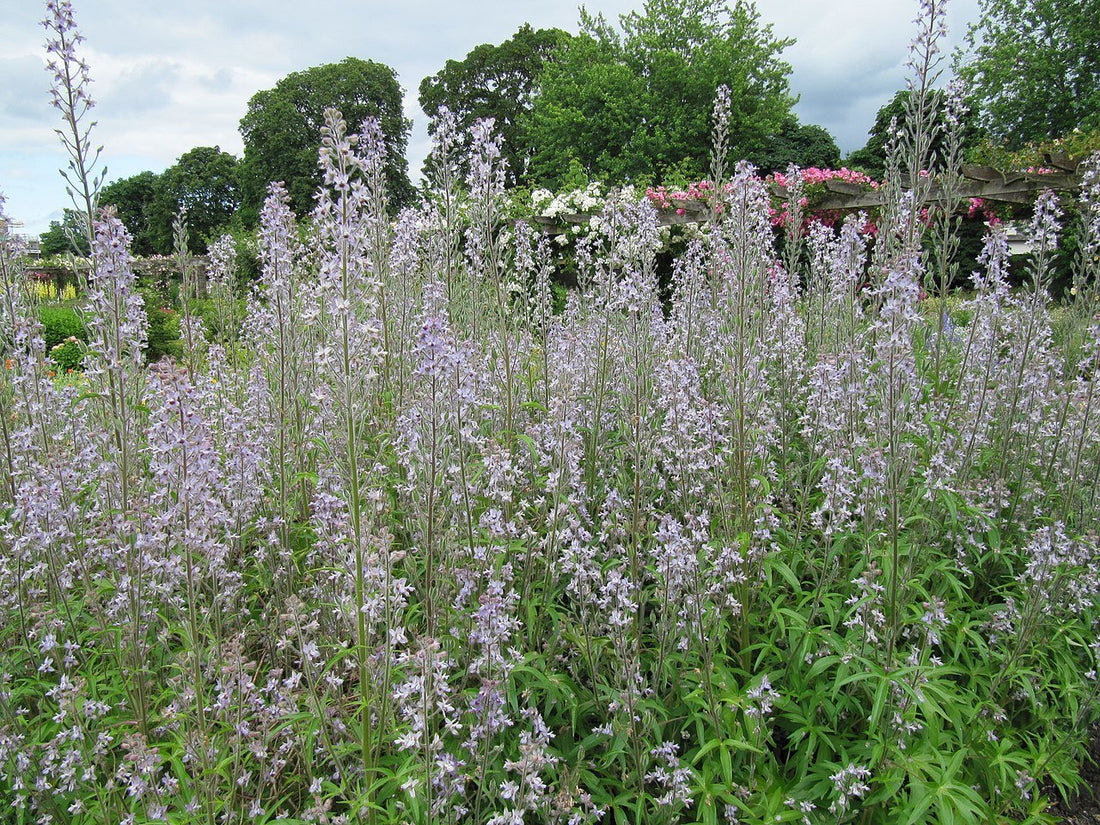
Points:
x=1019 y=243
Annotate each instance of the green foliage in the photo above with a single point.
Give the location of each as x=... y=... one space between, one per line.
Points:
x=65 y=337
x=68 y=356
x=214 y=318
x=953 y=305
x=1035 y=154
x=871 y=158
x=783 y=547
x=971 y=237
x=133 y=199
x=498 y=82
x=65 y=236
x=282 y=130
x=803 y=145
x=630 y=107
x=59 y=323
x=203 y=182
x=248 y=258
x=164 y=327
x=1033 y=68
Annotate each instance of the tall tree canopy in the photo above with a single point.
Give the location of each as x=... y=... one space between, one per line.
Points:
x=65 y=236
x=636 y=105
x=282 y=129
x=498 y=82
x=871 y=158
x=1034 y=68
x=133 y=199
x=803 y=145
x=204 y=182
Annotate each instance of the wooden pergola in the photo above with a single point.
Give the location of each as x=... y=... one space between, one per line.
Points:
x=983 y=182
x=978 y=181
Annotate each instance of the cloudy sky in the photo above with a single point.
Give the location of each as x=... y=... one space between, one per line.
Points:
x=170 y=76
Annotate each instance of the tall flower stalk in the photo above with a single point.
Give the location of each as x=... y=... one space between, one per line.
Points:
x=352 y=355
x=114 y=368
x=70 y=94
x=278 y=330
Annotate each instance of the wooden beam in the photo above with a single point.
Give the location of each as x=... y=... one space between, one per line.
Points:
x=844 y=187
x=1062 y=161
x=1012 y=190
x=978 y=182
x=973 y=171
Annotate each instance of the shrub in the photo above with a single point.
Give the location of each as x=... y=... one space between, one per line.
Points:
x=68 y=356
x=164 y=332
x=59 y=324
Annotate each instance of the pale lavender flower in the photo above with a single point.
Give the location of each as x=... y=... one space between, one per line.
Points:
x=534 y=269
x=681 y=586
x=487 y=167
x=956 y=108
x=994 y=255
x=934 y=620
x=406 y=265
x=617 y=600
x=1090 y=214
x=221 y=286
x=280 y=327
x=837 y=265
x=1061 y=573
x=242 y=429
x=63 y=41
x=279 y=244
x=785 y=348
x=931 y=25
x=434 y=350
x=1044 y=227
x=139 y=772
x=70 y=95
x=494 y=622
x=485 y=181
x=372 y=148
x=528 y=791
x=670 y=776
x=691 y=445
x=720 y=125
x=116 y=318
x=223 y=261
x=761 y=699
x=423 y=698
x=868 y=618
x=188 y=500
x=341 y=218
x=850 y=784
x=690 y=301
x=445 y=140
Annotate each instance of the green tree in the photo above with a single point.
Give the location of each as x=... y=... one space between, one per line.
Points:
x=803 y=145
x=635 y=105
x=500 y=82
x=64 y=236
x=1033 y=68
x=133 y=199
x=282 y=130
x=204 y=182
x=871 y=158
